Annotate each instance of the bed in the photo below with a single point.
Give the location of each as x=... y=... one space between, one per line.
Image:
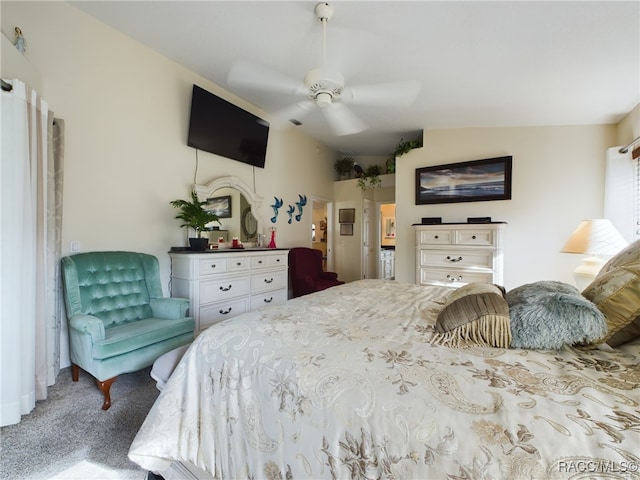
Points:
x=351 y=383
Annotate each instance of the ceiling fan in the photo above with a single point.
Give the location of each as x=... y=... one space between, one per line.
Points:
x=324 y=88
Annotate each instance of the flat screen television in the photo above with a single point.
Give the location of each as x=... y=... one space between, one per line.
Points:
x=220 y=127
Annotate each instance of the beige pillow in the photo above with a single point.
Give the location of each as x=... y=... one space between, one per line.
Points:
x=616 y=293
x=627 y=256
x=474 y=314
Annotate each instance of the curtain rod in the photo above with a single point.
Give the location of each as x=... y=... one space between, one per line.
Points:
x=625 y=149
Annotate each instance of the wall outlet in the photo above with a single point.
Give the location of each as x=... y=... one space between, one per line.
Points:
x=74 y=246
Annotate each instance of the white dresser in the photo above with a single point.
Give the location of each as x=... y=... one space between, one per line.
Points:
x=455 y=254
x=223 y=284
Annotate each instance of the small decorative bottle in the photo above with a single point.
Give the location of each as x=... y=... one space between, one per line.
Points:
x=272 y=243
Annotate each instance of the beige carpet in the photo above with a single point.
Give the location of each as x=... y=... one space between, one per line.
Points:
x=68 y=436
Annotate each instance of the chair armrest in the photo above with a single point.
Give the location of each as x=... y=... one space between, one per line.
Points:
x=329 y=275
x=89 y=325
x=169 y=308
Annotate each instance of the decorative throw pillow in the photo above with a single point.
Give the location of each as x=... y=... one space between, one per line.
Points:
x=474 y=314
x=627 y=256
x=548 y=315
x=616 y=293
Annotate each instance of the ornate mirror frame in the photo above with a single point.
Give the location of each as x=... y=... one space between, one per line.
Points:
x=206 y=191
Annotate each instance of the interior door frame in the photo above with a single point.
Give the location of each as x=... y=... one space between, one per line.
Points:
x=329 y=212
x=370 y=244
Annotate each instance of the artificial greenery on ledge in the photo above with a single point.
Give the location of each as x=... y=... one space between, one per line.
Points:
x=344 y=167
x=371 y=177
x=403 y=147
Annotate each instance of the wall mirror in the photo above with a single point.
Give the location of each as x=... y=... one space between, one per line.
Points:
x=237 y=206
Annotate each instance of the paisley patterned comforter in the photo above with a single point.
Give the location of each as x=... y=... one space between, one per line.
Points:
x=345 y=384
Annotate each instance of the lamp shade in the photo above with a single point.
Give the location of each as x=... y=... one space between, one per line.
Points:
x=595 y=237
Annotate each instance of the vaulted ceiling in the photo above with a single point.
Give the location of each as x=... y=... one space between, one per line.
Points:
x=478 y=63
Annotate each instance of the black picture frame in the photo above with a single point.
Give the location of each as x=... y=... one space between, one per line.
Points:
x=474 y=181
x=221 y=206
x=346 y=229
x=347 y=215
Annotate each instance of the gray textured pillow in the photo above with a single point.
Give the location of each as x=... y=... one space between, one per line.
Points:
x=474 y=314
x=548 y=315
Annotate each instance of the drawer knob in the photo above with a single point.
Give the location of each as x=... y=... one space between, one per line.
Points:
x=268 y=280
x=213 y=265
x=225 y=312
x=259 y=261
x=268 y=300
x=473 y=237
x=238 y=263
x=459 y=259
x=225 y=289
x=436 y=237
x=454 y=279
x=277 y=260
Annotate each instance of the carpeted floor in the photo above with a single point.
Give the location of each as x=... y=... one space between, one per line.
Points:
x=69 y=436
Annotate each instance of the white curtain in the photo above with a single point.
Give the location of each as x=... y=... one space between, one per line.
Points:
x=619 y=192
x=29 y=252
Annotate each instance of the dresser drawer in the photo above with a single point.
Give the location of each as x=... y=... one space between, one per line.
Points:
x=272 y=280
x=435 y=237
x=277 y=297
x=215 y=313
x=457 y=258
x=264 y=261
x=475 y=237
x=224 y=289
x=238 y=264
x=454 y=278
x=211 y=266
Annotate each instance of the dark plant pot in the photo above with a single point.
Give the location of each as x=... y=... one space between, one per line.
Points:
x=199 y=244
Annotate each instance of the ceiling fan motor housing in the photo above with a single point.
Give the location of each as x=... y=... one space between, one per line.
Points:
x=324 y=86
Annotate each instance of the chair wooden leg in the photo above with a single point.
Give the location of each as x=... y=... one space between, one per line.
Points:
x=75 y=372
x=104 y=388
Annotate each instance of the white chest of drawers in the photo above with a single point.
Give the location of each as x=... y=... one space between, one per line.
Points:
x=224 y=284
x=456 y=254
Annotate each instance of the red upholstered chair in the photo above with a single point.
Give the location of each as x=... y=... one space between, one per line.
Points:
x=305 y=270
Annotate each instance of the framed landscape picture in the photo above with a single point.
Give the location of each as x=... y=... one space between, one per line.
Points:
x=474 y=181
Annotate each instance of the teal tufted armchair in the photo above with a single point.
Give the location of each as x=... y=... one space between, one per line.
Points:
x=119 y=321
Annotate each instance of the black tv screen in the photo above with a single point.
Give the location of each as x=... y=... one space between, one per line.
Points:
x=220 y=127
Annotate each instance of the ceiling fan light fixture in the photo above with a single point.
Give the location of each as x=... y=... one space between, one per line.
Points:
x=324 y=99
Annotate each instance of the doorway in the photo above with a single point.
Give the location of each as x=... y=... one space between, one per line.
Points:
x=321 y=231
x=387 y=237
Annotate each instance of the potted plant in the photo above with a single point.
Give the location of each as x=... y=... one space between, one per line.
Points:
x=196 y=217
x=344 y=167
x=371 y=177
x=402 y=148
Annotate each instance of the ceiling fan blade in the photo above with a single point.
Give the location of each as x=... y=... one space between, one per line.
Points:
x=342 y=121
x=292 y=113
x=258 y=77
x=394 y=94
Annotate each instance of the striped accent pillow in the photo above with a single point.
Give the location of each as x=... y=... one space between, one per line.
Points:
x=474 y=314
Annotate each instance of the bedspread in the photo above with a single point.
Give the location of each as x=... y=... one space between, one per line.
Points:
x=345 y=384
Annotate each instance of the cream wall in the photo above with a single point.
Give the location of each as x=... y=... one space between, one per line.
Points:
x=629 y=127
x=558 y=177
x=126 y=111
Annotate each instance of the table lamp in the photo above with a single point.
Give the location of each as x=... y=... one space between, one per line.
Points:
x=595 y=237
